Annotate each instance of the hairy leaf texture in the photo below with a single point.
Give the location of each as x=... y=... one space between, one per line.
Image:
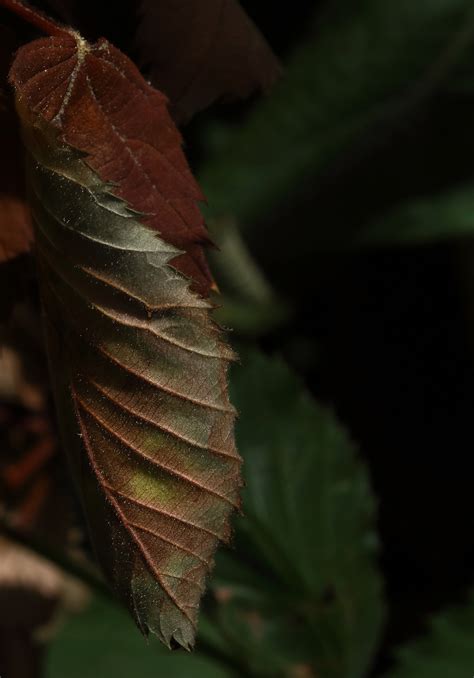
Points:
x=139 y=368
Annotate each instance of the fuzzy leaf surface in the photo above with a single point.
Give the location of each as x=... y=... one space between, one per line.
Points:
x=138 y=366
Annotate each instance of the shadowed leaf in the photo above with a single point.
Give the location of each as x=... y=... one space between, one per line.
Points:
x=195 y=51
x=363 y=67
x=139 y=368
x=102 y=637
x=202 y=51
x=447 y=650
x=425 y=219
x=301 y=588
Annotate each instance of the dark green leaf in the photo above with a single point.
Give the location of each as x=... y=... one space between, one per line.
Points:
x=102 y=642
x=363 y=64
x=439 y=217
x=447 y=651
x=302 y=588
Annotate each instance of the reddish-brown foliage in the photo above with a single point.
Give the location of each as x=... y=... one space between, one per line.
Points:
x=195 y=51
x=102 y=106
x=139 y=367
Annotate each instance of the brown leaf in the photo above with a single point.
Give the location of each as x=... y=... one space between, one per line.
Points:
x=201 y=51
x=99 y=102
x=139 y=367
x=195 y=51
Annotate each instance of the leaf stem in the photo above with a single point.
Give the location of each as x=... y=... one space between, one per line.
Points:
x=235 y=263
x=34 y=17
x=250 y=304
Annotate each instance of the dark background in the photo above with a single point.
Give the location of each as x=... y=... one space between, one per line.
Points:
x=386 y=337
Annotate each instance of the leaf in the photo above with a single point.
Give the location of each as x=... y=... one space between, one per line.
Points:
x=362 y=65
x=102 y=638
x=139 y=368
x=195 y=51
x=201 y=51
x=101 y=105
x=301 y=587
x=447 y=650
x=423 y=220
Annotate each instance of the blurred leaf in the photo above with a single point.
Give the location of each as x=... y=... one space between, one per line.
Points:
x=250 y=318
x=248 y=305
x=200 y=51
x=446 y=651
x=439 y=217
x=363 y=64
x=103 y=642
x=34 y=595
x=302 y=589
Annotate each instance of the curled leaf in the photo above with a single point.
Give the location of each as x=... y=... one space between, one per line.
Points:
x=139 y=367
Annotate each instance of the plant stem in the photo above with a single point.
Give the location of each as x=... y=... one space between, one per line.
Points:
x=250 y=305
x=34 y=17
x=235 y=264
